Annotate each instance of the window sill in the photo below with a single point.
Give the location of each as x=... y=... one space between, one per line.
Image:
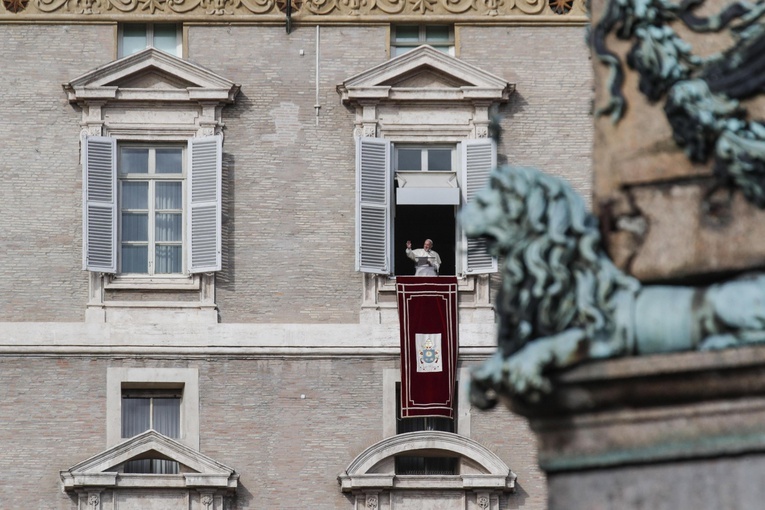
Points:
x=465 y=283
x=175 y=282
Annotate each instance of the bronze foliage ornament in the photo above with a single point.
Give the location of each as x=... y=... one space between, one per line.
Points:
x=702 y=96
x=562 y=301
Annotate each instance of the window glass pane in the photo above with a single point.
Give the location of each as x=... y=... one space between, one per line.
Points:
x=134 y=161
x=166 y=37
x=169 y=161
x=444 y=49
x=167 y=259
x=409 y=159
x=138 y=466
x=437 y=33
x=135 y=416
x=400 y=50
x=439 y=159
x=135 y=195
x=135 y=227
x=135 y=259
x=407 y=33
x=133 y=38
x=167 y=416
x=168 y=227
x=169 y=195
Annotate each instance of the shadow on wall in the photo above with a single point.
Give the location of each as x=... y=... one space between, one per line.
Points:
x=225 y=279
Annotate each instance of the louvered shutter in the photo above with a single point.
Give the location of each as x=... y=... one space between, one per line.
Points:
x=204 y=199
x=99 y=201
x=479 y=157
x=373 y=182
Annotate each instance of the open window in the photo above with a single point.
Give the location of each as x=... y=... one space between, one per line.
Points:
x=414 y=192
x=423 y=106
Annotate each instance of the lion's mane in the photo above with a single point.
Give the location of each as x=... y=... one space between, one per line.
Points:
x=555 y=275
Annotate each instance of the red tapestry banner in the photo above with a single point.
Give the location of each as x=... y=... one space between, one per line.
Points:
x=427 y=312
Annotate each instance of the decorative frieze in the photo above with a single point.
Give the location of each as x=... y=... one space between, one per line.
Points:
x=384 y=11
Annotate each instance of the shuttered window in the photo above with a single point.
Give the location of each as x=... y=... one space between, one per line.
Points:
x=373 y=178
x=151 y=209
x=375 y=250
x=479 y=158
x=205 y=204
x=99 y=187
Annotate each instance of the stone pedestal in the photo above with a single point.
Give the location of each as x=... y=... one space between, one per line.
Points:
x=660 y=216
x=670 y=432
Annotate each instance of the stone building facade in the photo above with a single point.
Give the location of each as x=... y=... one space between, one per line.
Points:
x=266 y=326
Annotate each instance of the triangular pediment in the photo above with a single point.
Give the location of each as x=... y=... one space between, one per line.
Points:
x=426 y=77
x=102 y=469
x=420 y=74
x=151 y=75
x=152 y=79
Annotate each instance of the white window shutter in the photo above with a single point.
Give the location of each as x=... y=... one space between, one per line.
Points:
x=204 y=200
x=373 y=183
x=99 y=201
x=479 y=157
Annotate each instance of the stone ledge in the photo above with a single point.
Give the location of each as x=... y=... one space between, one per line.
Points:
x=652 y=409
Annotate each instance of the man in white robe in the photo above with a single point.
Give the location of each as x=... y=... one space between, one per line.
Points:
x=427 y=261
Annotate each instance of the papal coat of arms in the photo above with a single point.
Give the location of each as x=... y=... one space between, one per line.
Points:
x=428 y=352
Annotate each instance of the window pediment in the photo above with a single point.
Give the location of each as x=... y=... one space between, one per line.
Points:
x=482 y=478
x=425 y=74
x=198 y=471
x=488 y=470
x=151 y=75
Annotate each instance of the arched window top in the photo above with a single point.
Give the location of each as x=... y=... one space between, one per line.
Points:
x=492 y=471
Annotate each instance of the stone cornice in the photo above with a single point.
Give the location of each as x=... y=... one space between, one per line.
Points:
x=379 y=82
x=94 y=472
x=195 y=83
x=308 y=12
x=477 y=341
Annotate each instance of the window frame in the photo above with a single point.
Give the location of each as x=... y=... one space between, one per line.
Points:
x=152 y=177
x=150 y=465
x=424 y=148
x=422 y=38
x=184 y=379
x=392 y=378
x=376 y=202
x=149 y=34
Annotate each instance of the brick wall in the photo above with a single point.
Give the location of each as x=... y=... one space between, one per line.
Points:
x=287 y=450
x=41 y=195
x=288 y=183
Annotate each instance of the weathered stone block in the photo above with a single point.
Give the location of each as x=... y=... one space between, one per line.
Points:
x=661 y=215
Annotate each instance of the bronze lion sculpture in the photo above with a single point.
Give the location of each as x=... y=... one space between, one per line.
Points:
x=562 y=300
